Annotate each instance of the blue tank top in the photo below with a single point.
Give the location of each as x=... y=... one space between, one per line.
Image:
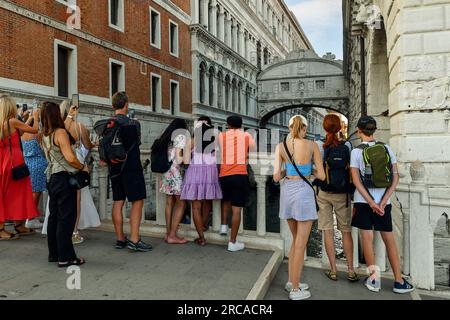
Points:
x=305 y=170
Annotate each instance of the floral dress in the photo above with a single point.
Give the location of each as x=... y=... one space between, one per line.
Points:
x=172 y=180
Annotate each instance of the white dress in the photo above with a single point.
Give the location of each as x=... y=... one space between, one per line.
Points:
x=89 y=217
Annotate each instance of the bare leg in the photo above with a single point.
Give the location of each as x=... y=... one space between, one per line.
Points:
x=135 y=219
x=293 y=227
x=78 y=210
x=206 y=210
x=235 y=223
x=198 y=221
x=37 y=198
x=300 y=242
x=170 y=203
x=348 y=249
x=394 y=259
x=367 y=244
x=118 y=219
x=180 y=206
x=226 y=209
x=329 y=247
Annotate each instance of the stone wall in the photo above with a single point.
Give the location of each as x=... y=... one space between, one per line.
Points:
x=407 y=70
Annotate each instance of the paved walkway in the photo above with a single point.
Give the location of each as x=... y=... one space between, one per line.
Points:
x=322 y=288
x=168 y=272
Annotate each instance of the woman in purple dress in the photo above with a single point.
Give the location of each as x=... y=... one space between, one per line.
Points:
x=201 y=182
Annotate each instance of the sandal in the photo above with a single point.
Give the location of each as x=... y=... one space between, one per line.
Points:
x=200 y=241
x=11 y=236
x=352 y=276
x=331 y=275
x=76 y=262
x=22 y=230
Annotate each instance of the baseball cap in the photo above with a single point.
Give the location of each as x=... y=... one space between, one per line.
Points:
x=367 y=122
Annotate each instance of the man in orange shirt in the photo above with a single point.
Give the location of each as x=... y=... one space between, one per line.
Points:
x=235 y=145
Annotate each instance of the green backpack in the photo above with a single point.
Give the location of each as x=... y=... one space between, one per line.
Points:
x=378 y=166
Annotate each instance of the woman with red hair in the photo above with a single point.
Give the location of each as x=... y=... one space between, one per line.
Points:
x=333 y=196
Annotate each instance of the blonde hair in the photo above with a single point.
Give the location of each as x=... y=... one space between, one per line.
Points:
x=64 y=109
x=296 y=124
x=8 y=110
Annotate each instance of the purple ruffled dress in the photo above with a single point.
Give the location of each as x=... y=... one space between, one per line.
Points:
x=201 y=181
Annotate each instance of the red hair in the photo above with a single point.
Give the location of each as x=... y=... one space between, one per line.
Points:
x=332 y=125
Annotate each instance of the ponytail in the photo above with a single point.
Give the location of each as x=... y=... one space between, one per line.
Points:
x=296 y=124
x=332 y=126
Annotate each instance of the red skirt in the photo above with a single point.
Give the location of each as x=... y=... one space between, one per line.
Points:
x=16 y=197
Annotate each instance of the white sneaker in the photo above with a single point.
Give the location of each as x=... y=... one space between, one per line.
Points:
x=299 y=295
x=302 y=286
x=223 y=230
x=237 y=246
x=34 y=224
x=373 y=285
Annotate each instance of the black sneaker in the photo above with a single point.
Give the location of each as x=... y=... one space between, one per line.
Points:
x=121 y=244
x=140 y=246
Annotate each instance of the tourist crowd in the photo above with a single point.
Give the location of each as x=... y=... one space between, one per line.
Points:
x=47 y=150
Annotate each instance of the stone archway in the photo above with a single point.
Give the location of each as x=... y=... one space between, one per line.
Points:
x=302 y=80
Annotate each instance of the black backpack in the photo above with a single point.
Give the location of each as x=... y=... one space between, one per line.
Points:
x=337 y=170
x=111 y=148
x=160 y=161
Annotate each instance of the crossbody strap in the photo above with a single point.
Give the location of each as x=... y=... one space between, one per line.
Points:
x=291 y=159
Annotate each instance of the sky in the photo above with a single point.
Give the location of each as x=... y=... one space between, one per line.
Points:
x=321 y=20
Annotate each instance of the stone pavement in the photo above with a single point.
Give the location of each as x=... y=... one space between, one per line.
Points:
x=168 y=272
x=324 y=289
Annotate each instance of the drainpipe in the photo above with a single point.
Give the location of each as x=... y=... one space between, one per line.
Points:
x=363 y=75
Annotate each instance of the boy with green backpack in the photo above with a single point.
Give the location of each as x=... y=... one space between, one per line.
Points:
x=375 y=176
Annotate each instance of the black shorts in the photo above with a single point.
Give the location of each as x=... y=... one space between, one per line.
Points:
x=364 y=218
x=235 y=189
x=129 y=185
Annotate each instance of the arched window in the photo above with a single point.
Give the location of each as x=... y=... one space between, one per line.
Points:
x=202 y=83
x=233 y=95
x=239 y=100
x=212 y=73
x=227 y=92
x=247 y=100
x=220 y=89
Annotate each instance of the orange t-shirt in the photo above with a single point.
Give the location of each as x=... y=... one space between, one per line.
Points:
x=234 y=146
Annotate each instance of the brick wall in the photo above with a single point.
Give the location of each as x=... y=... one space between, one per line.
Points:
x=27 y=48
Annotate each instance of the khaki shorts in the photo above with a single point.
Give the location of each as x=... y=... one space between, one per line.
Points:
x=337 y=201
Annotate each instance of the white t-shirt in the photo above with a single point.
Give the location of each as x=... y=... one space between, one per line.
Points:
x=358 y=162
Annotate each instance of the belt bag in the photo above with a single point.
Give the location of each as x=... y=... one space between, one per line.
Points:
x=21 y=171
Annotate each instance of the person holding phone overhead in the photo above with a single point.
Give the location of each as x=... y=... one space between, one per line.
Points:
x=87 y=214
x=16 y=199
x=37 y=164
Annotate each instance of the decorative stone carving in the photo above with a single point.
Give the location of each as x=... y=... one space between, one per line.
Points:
x=417 y=172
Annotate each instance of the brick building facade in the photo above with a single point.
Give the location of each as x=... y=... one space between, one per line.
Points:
x=112 y=50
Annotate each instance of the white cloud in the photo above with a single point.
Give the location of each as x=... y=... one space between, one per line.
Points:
x=322 y=22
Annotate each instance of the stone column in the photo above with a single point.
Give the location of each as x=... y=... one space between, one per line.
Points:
x=246 y=49
x=221 y=29
x=204 y=16
x=217 y=215
x=242 y=42
x=261 y=206
x=103 y=193
x=228 y=31
x=160 y=203
x=213 y=18
x=195 y=11
x=234 y=35
x=195 y=80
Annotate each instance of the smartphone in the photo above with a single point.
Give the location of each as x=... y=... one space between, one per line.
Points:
x=24 y=108
x=76 y=100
